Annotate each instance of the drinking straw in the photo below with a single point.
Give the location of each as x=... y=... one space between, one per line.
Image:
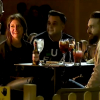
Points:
x=77 y=45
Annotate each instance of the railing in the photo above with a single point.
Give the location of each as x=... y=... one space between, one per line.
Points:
x=73 y=96
x=77 y=94
x=29 y=93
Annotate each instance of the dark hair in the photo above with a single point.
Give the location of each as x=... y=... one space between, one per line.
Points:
x=34 y=7
x=22 y=21
x=44 y=9
x=21 y=7
x=57 y=13
x=95 y=14
x=30 y=13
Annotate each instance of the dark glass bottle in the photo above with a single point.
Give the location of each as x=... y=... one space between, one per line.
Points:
x=35 y=55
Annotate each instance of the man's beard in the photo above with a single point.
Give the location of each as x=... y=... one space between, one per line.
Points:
x=93 y=40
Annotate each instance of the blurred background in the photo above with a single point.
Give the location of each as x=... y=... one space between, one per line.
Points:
x=76 y=11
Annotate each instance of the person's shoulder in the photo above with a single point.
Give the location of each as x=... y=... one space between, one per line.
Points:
x=3 y=43
x=27 y=43
x=65 y=35
x=41 y=35
x=98 y=44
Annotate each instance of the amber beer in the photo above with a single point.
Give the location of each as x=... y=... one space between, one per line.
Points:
x=71 y=47
x=63 y=45
x=35 y=55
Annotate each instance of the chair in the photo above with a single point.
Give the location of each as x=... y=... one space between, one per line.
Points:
x=29 y=92
x=77 y=94
x=16 y=87
x=5 y=93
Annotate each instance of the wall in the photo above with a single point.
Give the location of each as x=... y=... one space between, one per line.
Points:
x=86 y=7
x=76 y=11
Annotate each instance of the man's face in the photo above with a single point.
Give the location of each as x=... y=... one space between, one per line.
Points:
x=93 y=30
x=54 y=25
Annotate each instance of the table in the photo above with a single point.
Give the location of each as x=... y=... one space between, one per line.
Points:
x=54 y=66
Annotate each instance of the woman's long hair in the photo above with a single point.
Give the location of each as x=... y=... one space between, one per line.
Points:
x=22 y=21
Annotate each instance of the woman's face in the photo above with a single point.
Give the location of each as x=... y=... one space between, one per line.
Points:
x=16 y=29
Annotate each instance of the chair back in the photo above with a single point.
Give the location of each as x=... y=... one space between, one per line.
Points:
x=5 y=93
x=29 y=92
x=78 y=94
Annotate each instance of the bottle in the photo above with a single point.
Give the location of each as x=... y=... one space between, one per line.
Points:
x=35 y=54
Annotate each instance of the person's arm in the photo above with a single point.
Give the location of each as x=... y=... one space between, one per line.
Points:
x=94 y=80
x=91 y=61
x=4 y=66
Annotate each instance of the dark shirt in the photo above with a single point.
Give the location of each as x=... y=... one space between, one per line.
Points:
x=10 y=55
x=51 y=52
x=51 y=49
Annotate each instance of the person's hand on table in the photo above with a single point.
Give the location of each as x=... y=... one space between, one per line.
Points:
x=91 y=61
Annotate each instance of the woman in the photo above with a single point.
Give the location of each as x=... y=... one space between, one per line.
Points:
x=14 y=49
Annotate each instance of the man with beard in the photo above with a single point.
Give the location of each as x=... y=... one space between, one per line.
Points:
x=94 y=38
